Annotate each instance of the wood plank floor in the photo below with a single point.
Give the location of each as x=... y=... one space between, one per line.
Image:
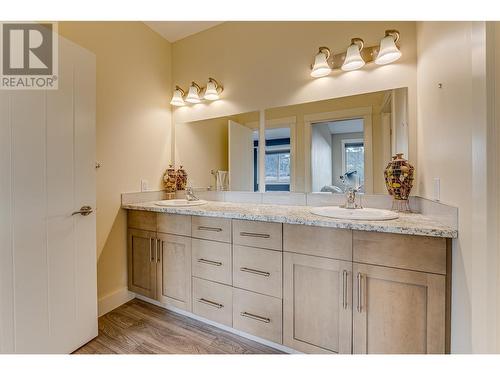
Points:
x=138 y=327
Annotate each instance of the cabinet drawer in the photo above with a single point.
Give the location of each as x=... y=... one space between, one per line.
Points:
x=257 y=270
x=213 y=301
x=212 y=260
x=211 y=228
x=141 y=220
x=257 y=234
x=174 y=224
x=325 y=242
x=418 y=253
x=257 y=314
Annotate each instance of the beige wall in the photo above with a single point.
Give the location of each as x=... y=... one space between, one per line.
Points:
x=133 y=127
x=266 y=64
x=453 y=145
x=494 y=42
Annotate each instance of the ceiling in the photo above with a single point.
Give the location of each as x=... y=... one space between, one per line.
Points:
x=176 y=30
x=344 y=126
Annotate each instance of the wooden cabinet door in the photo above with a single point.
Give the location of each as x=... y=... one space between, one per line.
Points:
x=397 y=311
x=142 y=262
x=317 y=304
x=174 y=271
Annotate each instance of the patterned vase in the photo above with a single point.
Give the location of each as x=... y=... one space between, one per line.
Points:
x=399 y=181
x=181 y=178
x=170 y=179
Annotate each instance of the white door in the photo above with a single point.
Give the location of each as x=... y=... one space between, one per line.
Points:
x=240 y=157
x=48 y=299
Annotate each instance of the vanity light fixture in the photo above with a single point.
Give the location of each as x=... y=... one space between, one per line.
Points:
x=353 y=59
x=389 y=51
x=357 y=55
x=178 y=97
x=193 y=95
x=213 y=90
x=321 y=68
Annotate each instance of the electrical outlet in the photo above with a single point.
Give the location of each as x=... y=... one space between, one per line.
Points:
x=437 y=188
x=144 y=185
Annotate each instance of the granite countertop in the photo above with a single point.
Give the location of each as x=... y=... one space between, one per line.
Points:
x=407 y=223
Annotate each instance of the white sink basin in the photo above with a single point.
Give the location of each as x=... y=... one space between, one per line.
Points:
x=180 y=203
x=354 y=214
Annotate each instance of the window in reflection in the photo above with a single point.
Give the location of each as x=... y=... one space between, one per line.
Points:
x=354 y=158
x=277 y=160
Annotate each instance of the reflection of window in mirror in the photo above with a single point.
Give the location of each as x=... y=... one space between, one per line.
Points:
x=277 y=160
x=353 y=159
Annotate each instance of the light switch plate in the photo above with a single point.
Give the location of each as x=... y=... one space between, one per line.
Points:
x=144 y=185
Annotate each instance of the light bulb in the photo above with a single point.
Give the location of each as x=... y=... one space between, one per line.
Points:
x=213 y=90
x=193 y=95
x=353 y=59
x=177 y=98
x=388 y=51
x=321 y=68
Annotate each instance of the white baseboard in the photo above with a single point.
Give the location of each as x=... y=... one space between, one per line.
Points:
x=113 y=300
x=260 y=340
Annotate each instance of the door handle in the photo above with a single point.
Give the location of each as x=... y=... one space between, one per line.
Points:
x=359 y=307
x=151 y=254
x=344 y=289
x=159 y=250
x=84 y=211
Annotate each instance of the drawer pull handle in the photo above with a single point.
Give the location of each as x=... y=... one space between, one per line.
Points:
x=258 y=235
x=256 y=272
x=255 y=317
x=211 y=262
x=210 y=229
x=211 y=303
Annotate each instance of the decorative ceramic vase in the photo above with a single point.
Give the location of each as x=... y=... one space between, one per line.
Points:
x=181 y=178
x=170 y=179
x=399 y=181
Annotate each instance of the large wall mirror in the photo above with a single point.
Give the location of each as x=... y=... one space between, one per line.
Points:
x=220 y=153
x=329 y=139
x=307 y=147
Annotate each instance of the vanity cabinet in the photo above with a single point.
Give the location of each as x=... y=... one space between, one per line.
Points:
x=398 y=311
x=312 y=289
x=159 y=264
x=142 y=263
x=317 y=304
x=174 y=274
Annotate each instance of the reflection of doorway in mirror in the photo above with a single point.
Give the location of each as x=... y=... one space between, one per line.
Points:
x=337 y=148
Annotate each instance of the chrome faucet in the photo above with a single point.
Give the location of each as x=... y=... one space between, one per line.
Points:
x=350 y=192
x=190 y=195
x=350 y=199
